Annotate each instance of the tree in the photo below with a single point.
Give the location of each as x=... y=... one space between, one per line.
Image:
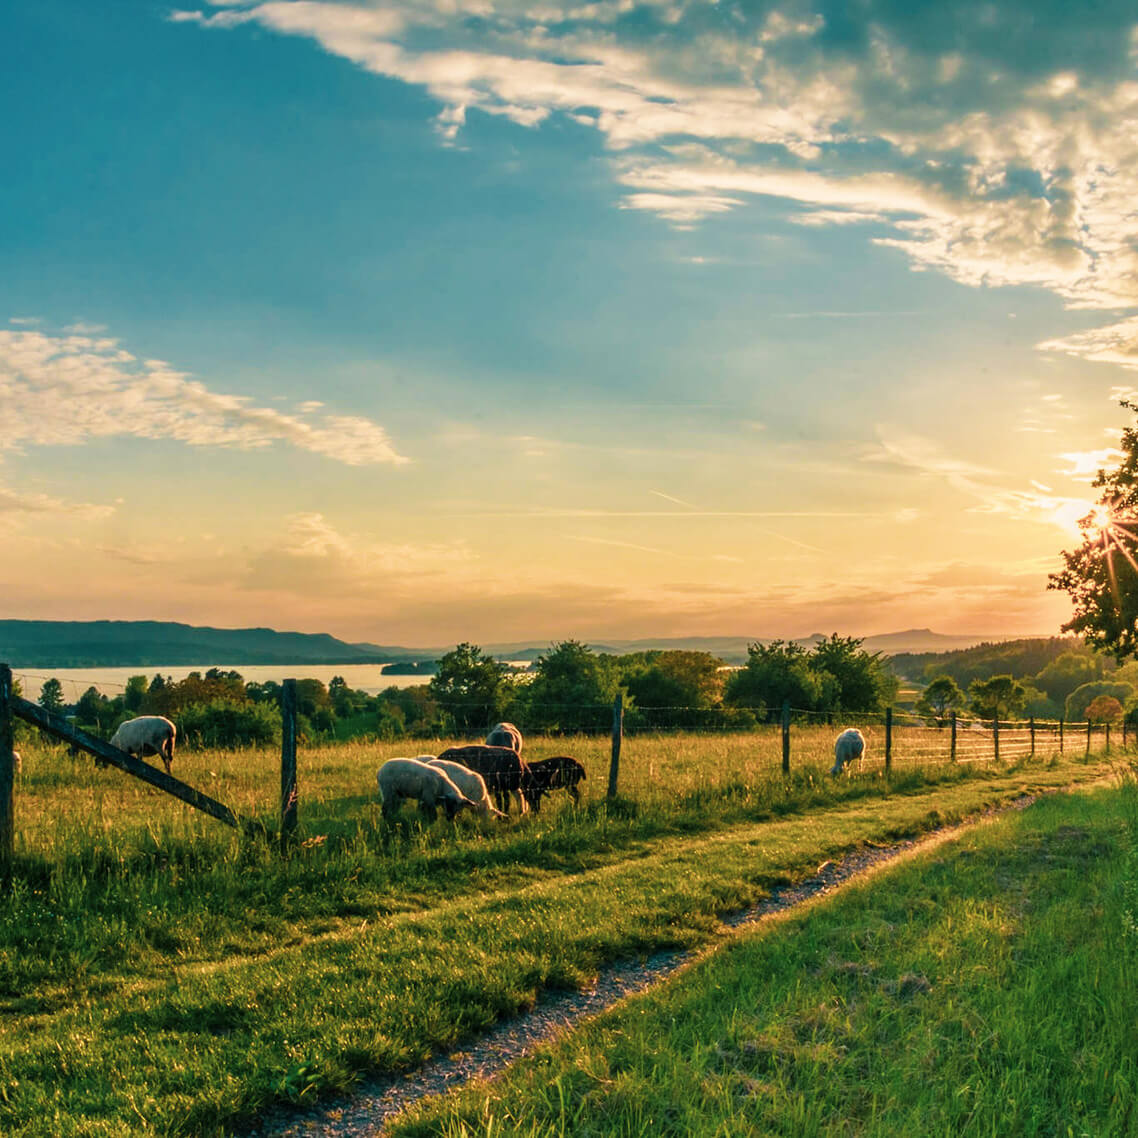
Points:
x=940 y=699
x=1104 y=709
x=862 y=682
x=135 y=694
x=572 y=689
x=674 y=688
x=1081 y=698
x=1067 y=672
x=473 y=689
x=51 y=695
x=773 y=674
x=1000 y=696
x=1101 y=575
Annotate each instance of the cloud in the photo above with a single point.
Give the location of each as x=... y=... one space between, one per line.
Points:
x=1113 y=344
x=64 y=390
x=993 y=143
x=15 y=504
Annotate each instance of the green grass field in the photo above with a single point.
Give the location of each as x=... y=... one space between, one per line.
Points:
x=159 y=974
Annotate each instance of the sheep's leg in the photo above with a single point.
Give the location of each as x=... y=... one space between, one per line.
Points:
x=522 y=807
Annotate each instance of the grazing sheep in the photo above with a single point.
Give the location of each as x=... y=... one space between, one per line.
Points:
x=17 y=762
x=503 y=769
x=560 y=772
x=398 y=779
x=468 y=781
x=505 y=735
x=849 y=745
x=148 y=734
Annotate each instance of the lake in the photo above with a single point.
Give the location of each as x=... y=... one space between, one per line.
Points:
x=111 y=681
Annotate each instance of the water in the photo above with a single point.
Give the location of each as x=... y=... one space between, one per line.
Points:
x=369 y=678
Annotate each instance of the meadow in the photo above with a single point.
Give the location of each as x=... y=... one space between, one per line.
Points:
x=161 y=974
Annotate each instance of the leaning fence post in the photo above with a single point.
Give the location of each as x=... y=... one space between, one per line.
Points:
x=953 y=744
x=786 y=736
x=617 y=736
x=888 y=739
x=288 y=760
x=7 y=766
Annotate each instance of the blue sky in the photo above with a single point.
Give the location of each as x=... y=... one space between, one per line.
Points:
x=491 y=320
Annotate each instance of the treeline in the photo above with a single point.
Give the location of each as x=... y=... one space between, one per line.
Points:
x=1054 y=678
x=568 y=689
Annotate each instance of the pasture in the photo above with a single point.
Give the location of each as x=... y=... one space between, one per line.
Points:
x=160 y=974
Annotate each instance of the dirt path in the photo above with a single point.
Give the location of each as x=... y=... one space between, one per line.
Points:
x=378 y=1101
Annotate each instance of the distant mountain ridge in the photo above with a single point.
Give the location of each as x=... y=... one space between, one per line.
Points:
x=147 y=643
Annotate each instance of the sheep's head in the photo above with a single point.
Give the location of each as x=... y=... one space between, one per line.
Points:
x=455 y=806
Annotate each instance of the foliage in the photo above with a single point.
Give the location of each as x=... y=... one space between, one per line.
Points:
x=997 y=697
x=228 y=723
x=863 y=682
x=1100 y=575
x=940 y=699
x=51 y=695
x=1082 y=697
x=474 y=690
x=573 y=689
x=1104 y=709
x=1067 y=672
x=1020 y=658
x=672 y=689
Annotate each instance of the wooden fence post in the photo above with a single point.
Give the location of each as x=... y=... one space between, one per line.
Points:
x=1031 y=727
x=1108 y=738
x=953 y=745
x=617 y=736
x=1088 y=736
x=888 y=739
x=288 y=761
x=1124 y=733
x=786 y=736
x=1060 y=736
x=996 y=737
x=7 y=767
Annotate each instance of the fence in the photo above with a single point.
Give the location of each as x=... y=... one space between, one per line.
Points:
x=14 y=707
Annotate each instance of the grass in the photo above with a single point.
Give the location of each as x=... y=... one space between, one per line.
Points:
x=160 y=975
x=985 y=988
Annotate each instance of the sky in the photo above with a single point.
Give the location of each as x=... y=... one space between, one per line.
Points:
x=491 y=320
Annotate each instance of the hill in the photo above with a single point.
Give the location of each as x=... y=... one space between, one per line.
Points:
x=125 y=643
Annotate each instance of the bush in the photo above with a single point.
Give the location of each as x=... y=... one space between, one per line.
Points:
x=226 y=723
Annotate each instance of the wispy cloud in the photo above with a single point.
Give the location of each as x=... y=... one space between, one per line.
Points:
x=63 y=390
x=990 y=162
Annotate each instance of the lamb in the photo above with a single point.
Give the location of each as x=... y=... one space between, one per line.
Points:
x=503 y=769
x=410 y=778
x=849 y=745
x=148 y=734
x=551 y=774
x=505 y=735
x=469 y=782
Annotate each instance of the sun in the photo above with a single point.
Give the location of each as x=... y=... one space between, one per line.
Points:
x=1101 y=519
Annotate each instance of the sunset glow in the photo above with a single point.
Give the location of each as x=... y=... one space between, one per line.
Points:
x=416 y=323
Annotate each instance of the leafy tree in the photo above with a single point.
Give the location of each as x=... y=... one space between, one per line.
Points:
x=674 y=688
x=1104 y=709
x=135 y=695
x=862 y=681
x=774 y=673
x=572 y=689
x=1082 y=697
x=95 y=711
x=229 y=723
x=997 y=697
x=51 y=695
x=940 y=699
x=1100 y=575
x=473 y=689
x=1067 y=672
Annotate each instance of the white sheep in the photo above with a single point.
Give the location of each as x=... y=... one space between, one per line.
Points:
x=148 y=734
x=849 y=745
x=17 y=762
x=505 y=735
x=469 y=782
x=410 y=778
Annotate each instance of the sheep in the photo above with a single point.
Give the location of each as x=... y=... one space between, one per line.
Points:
x=148 y=734
x=505 y=735
x=849 y=745
x=468 y=781
x=503 y=769
x=17 y=762
x=398 y=779
x=552 y=774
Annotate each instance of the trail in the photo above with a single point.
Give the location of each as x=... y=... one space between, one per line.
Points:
x=377 y=1101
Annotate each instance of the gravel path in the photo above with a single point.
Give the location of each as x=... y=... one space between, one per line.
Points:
x=379 y=1100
